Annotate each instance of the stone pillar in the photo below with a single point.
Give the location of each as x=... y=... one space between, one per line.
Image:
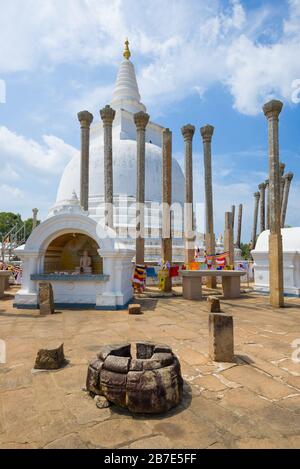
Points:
x=239 y=228
x=221 y=339
x=272 y=110
x=210 y=244
x=107 y=115
x=85 y=118
x=262 y=188
x=254 y=230
x=228 y=238
x=141 y=120
x=233 y=216
x=34 y=218
x=268 y=205
x=281 y=171
x=167 y=202
x=287 y=183
x=188 y=134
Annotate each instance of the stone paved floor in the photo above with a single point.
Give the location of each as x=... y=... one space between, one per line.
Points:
x=253 y=403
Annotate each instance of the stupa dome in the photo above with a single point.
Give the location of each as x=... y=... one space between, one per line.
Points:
x=124 y=173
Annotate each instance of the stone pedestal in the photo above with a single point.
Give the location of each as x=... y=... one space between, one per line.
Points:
x=221 y=341
x=231 y=287
x=45 y=299
x=192 y=288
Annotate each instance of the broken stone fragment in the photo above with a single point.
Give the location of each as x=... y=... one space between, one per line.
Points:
x=102 y=402
x=50 y=359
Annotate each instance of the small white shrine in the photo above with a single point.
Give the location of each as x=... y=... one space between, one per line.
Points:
x=85 y=265
x=291 y=262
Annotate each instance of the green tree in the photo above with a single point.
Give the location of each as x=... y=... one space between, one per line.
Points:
x=8 y=220
x=246 y=249
x=28 y=226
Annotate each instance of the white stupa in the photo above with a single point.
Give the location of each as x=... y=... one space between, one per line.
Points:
x=126 y=101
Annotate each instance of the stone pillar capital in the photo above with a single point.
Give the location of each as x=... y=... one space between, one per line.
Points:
x=262 y=186
x=289 y=176
x=272 y=109
x=85 y=118
x=167 y=132
x=141 y=120
x=35 y=211
x=256 y=195
x=281 y=168
x=207 y=132
x=107 y=115
x=188 y=132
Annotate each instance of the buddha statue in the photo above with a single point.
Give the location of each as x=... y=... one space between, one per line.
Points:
x=85 y=266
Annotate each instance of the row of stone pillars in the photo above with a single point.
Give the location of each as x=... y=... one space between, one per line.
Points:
x=261 y=203
x=141 y=120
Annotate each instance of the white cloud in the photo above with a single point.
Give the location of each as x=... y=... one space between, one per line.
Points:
x=8 y=173
x=51 y=156
x=185 y=46
x=10 y=192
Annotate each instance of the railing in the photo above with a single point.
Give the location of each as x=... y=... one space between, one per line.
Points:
x=11 y=240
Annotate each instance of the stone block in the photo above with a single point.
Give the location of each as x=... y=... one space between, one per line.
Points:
x=213 y=304
x=93 y=376
x=144 y=350
x=134 y=309
x=221 y=341
x=117 y=364
x=50 y=359
x=119 y=350
x=46 y=299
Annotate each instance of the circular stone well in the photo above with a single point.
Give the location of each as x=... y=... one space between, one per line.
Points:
x=150 y=383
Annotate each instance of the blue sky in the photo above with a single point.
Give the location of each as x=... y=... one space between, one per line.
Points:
x=201 y=62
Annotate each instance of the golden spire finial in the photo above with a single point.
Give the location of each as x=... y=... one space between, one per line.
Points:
x=127 y=53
